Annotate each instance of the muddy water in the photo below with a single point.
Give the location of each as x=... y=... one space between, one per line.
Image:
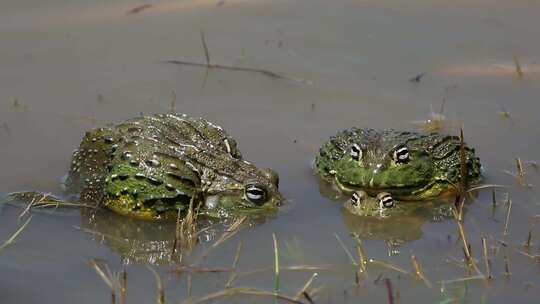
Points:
x=66 y=67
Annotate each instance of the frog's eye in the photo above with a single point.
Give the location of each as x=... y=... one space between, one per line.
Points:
x=357 y=152
x=256 y=194
x=401 y=155
x=385 y=200
x=357 y=198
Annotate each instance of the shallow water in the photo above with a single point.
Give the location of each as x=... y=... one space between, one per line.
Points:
x=72 y=66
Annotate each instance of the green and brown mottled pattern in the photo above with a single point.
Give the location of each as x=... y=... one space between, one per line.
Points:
x=149 y=167
x=369 y=160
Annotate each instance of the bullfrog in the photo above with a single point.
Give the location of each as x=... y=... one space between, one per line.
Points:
x=151 y=167
x=408 y=166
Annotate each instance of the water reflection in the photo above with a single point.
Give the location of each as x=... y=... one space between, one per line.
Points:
x=148 y=242
x=397 y=226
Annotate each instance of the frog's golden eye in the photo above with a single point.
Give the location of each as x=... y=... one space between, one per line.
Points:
x=255 y=194
x=401 y=155
x=385 y=200
x=357 y=152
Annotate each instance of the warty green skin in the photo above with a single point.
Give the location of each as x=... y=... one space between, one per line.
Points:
x=150 y=167
x=432 y=171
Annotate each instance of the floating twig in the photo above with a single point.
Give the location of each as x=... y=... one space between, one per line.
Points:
x=519 y=71
x=138 y=9
x=210 y=65
x=417 y=78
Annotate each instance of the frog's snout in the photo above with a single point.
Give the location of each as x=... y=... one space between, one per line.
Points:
x=271 y=175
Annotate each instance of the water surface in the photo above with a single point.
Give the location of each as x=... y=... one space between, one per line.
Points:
x=66 y=67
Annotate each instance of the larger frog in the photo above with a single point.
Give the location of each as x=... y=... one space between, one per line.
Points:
x=150 y=167
x=407 y=165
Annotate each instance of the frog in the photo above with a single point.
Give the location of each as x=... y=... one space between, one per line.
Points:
x=156 y=167
x=407 y=165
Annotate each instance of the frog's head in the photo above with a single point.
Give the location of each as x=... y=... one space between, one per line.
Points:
x=408 y=165
x=396 y=169
x=252 y=191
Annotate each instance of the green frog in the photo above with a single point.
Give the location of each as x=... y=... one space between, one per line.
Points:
x=407 y=166
x=153 y=166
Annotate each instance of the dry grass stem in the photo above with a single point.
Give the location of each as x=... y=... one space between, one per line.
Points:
x=478 y=277
x=486 y=186
x=188 y=227
x=110 y=279
x=14 y=236
x=189 y=286
x=173 y=102
x=529 y=238
x=231 y=231
x=194 y=269
x=507 y=272
x=487 y=262
x=276 y=265
x=176 y=234
x=160 y=296
x=507 y=217
x=123 y=287
x=233 y=275
x=346 y=250
x=205 y=48
x=419 y=272
x=388 y=265
x=520 y=173
x=362 y=258
x=389 y=291
x=242 y=291
x=303 y=290
x=467 y=248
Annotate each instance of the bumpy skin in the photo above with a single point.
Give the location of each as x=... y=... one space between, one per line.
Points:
x=433 y=169
x=149 y=167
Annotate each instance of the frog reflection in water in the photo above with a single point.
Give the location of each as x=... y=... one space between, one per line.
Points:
x=151 y=167
x=390 y=176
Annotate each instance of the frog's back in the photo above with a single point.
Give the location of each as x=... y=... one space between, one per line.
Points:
x=157 y=158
